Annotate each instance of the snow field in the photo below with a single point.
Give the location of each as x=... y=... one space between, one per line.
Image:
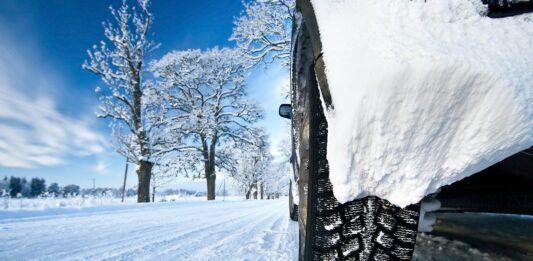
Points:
x=80 y=202
x=14 y=204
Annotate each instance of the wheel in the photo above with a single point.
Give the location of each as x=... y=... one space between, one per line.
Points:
x=368 y=228
x=293 y=208
x=364 y=229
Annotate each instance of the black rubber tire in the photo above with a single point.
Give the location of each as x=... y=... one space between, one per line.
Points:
x=294 y=212
x=293 y=208
x=363 y=229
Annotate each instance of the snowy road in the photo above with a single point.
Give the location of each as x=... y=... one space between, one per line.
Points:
x=255 y=230
x=201 y=230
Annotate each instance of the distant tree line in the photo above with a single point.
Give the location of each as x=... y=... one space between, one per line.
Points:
x=185 y=192
x=17 y=187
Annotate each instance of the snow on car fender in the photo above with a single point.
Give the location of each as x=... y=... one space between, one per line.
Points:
x=424 y=93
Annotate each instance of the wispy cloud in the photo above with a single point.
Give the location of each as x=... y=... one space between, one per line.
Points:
x=101 y=167
x=33 y=132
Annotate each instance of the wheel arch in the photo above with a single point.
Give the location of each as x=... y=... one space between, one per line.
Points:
x=305 y=8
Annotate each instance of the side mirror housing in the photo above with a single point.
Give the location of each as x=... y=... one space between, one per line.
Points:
x=285 y=111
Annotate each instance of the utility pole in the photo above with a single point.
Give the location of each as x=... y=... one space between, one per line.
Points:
x=224 y=191
x=153 y=188
x=125 y=177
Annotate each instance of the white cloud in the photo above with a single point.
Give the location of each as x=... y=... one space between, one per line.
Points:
x=33 y=132
x=101 y=167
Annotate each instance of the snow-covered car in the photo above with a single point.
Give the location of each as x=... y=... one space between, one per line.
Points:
x=394 y=102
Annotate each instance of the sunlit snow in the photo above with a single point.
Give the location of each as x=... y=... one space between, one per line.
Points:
x=425 y=93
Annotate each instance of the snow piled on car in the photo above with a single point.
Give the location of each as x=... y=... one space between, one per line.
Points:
x=425 y=93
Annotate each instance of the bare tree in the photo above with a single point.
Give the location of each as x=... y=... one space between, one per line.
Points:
x=119 y=60
x=207 y=106
x=263 y=31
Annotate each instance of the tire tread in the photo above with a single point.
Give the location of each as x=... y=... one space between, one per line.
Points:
x=368 y=228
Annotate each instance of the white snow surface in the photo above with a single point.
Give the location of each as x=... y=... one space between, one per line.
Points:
x=425 y=93
x=42 y=203
x=236 y=230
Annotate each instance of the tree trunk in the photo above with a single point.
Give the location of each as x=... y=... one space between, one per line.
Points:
x=248 y=193
x=211 y=182
x=209 y=166
x=144 y=173
x=262 y=191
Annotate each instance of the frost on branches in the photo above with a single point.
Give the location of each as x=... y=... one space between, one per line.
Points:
x=263 y=31
x=278 y=180
x=207 y=106
x=257 y=172
x=251 y=164
x=119 y=60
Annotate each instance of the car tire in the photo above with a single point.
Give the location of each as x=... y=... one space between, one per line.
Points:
x=293 y=208
x=368 y=228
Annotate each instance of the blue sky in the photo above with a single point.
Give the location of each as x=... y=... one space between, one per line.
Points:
x=47 y=123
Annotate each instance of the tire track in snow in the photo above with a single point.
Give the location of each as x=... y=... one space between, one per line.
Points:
x=240 y=241
x=161 y=246
x=287 y=235
x=156 y=242
x=106 y=242
x=151 y=233
x=200 y=231
x=225 y=241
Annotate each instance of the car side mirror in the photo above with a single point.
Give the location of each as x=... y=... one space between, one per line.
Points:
x=285 y=111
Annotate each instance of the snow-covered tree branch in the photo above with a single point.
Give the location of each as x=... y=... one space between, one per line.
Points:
x=119 y=61
x=277 y=181
x=207 y=105
x=263 y=31
x=252 y=163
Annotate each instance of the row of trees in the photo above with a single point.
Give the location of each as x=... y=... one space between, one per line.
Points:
x=17 y=187
x=20 y=187
x=189 y=112
x=258 y=174
x=263 y=33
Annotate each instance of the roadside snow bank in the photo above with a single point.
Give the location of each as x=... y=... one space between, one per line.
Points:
x=42 y=203
x=424 y=93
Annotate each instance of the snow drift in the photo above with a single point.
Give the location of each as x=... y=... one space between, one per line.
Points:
x=424 y=93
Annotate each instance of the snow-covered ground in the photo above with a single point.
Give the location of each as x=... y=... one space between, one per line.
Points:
x=78 y=202
x=15 y=204
x=242 y=230
x=230 y=230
